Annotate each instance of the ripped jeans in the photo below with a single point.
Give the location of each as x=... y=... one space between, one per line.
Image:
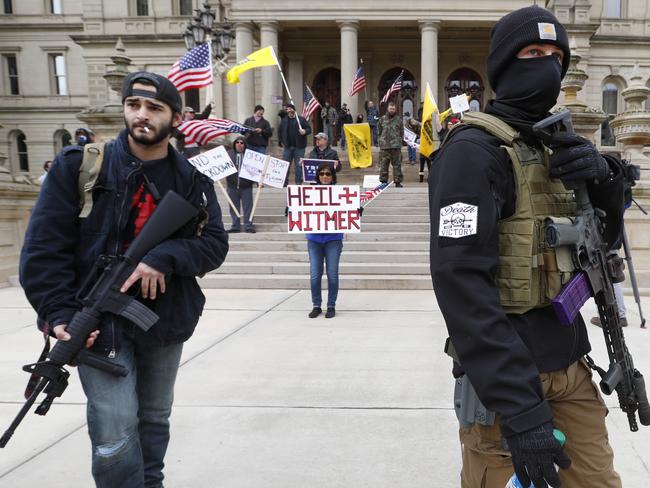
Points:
x=128 y=418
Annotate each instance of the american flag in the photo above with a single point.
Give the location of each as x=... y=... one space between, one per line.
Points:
x=309 y=103
x=203 y=131
x=359 y=82
x=396 y=86
x=369 y=195
x=193 y=69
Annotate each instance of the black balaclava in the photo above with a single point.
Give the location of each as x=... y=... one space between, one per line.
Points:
x=526 y=89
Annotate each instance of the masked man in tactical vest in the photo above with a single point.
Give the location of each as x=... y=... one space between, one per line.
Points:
x=491 y=186
x=128 y=417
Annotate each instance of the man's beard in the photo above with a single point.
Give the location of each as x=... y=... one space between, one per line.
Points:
x=160 y=134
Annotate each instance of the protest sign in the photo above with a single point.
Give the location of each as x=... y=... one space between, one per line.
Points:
x=252 y=167
x=370 y=181
x=323 y=209
x=310 y=167
x=459 y=104
x=215 y=163
x=410 y=138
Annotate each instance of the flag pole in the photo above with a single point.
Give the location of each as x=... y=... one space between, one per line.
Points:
x=277 y=63
x=260 y=184
x=232 y=205
x=365 y=88
x=209 y=92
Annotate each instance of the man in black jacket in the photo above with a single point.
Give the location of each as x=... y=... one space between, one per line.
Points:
x=128 y=418
x=293 y=133
x=258 y=140
x=494 y=280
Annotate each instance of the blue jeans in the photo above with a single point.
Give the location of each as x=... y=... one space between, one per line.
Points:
x=245 y=197
x=330 y=252
x=259 y=149
x=128 y=418
x=294 y=155
x=411 y=153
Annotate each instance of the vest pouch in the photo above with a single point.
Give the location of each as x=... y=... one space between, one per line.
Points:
x=558 y=264
x=517 y=273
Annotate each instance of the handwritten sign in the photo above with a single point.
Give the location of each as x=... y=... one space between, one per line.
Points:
x=371 y=181
x=459 y=103
x=323 y=209
x=215 y=163
x=252 y=167
x=310 y=168
x=410 y=138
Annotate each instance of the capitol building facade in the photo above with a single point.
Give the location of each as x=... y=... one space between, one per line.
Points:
x=54 y=55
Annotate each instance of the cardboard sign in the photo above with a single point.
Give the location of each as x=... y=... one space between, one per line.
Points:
x=459 y=103
x=215 y=163
x=323 y=209
x=410 y=138
x=252 y=167
x=310 y=167
x=371 y=181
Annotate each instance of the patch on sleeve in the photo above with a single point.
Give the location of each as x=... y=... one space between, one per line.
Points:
x=460 y=219
x=547 y=31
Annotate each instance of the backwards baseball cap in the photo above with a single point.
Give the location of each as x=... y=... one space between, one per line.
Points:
x=528 y=25
x=165 y=90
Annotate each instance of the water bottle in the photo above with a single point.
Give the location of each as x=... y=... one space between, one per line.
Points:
x=514 y=481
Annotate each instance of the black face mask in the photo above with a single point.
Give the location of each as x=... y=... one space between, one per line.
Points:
x=530 y=86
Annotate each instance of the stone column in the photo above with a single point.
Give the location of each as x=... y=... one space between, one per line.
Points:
x=429 y=56
x=246 y=85
x=271 y=82
x=295 y=79
x=349 y=61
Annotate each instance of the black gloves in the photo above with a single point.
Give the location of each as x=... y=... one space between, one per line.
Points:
x=576 y=159
x=533 y=454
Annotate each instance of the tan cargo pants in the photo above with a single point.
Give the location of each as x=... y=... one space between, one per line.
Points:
x=578 y=411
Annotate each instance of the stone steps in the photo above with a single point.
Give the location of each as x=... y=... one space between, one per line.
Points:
x=302 y=268
x=391 y=252
x=369 y=258
x=298 y=282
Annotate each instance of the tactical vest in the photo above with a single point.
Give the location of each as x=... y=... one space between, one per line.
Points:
x=530 y=274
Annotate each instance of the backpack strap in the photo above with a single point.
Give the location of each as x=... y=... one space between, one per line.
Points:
x=89 y=171
x=494 y=125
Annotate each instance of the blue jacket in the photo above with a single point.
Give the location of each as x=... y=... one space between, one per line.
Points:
x=60 y=248
x=323 y=238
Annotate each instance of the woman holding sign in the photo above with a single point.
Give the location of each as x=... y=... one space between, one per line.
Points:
x=324 y=248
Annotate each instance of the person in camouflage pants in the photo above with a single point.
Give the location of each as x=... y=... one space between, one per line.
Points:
x=391 y=133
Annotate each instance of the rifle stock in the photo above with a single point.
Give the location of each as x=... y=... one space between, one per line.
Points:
x=172 y=213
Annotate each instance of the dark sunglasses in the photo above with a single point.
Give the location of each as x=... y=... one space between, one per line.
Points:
x=239 y=142
x=323 y=173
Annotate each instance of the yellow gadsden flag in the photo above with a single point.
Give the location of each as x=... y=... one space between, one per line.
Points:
x=429 y=132
x=264 y=57
x=357 y=137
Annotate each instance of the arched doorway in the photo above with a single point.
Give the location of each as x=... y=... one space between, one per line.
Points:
x=406 y=99
x=468 y=81
x=326 y=87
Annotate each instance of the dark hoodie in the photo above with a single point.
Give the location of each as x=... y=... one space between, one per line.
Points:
x=234 y=181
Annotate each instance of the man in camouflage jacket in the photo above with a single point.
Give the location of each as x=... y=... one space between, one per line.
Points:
x=391 y=134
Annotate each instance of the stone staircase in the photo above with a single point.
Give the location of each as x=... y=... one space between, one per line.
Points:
x=391 y=252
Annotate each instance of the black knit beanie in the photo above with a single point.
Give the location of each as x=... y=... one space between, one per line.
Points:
x=528 y=25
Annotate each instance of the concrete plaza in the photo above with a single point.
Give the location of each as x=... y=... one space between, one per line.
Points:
x=268 y=398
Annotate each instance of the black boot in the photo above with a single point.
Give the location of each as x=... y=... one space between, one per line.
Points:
x=331 y=312
x=315 y=312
